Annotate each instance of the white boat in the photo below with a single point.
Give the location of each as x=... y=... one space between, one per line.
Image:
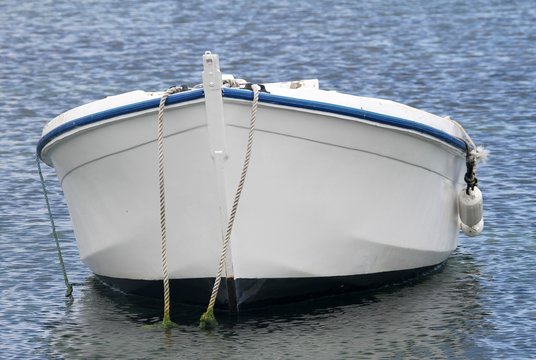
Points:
x=342 y=192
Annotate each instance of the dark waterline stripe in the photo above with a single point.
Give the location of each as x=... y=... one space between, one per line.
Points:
x=254 y=293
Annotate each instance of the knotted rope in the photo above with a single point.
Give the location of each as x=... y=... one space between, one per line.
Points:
x=208 y=320
x=470 y=175
x=473 y=154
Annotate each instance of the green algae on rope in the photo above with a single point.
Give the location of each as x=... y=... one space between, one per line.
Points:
x=208 y=320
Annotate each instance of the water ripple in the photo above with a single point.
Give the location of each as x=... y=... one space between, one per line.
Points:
x=475 y=61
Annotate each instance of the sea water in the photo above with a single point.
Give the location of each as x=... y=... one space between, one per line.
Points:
x=472 y=60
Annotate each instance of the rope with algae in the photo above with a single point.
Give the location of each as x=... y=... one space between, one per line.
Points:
x=208 y=320
x=166 y=321
x=69 y=287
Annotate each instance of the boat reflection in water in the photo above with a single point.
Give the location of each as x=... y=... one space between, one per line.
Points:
x=434 y=316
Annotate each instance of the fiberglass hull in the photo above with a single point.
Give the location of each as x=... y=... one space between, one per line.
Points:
x=332 y=201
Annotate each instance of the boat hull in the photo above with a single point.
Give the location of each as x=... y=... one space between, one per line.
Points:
x=331 y=202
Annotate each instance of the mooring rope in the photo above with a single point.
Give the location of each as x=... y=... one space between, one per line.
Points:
x=479 y=152
x=166 y=322
x=69 y=290
x=473 y=154
x=208 y=319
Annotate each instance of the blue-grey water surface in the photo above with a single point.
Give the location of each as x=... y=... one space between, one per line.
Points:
x=473 y=60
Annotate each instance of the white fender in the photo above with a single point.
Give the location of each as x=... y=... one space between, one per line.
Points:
x=470 y=210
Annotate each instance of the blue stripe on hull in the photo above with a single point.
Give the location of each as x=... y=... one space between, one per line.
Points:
x=347 y=111
x=118 y=111
x=264 y=98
